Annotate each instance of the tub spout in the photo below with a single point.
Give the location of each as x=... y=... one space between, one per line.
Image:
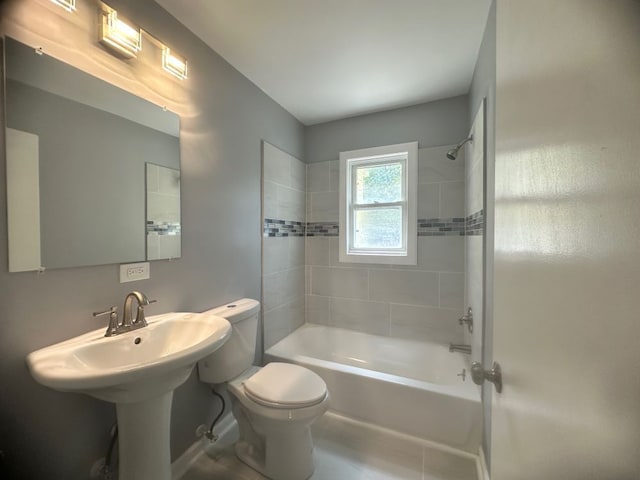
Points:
x=460 y=348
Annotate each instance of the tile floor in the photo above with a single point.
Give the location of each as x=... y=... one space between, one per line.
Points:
x=346 y=449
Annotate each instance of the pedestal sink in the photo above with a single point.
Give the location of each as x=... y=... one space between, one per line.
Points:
x=137 y=371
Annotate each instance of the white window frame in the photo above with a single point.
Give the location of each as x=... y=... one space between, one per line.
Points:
x=405 y=153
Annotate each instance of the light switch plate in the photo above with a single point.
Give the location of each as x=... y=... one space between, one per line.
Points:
x=131 y=272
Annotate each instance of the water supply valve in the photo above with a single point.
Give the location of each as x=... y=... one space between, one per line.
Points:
x=467 y=319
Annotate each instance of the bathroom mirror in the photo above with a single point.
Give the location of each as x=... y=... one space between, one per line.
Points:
x=77 y=155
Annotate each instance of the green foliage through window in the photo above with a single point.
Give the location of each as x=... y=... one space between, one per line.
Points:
x=379 y=183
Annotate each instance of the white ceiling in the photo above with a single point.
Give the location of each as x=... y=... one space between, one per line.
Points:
x=328 y=59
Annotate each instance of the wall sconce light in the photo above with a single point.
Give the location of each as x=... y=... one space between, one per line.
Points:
x=119 y=36
x=174 y=64
x=68 y=5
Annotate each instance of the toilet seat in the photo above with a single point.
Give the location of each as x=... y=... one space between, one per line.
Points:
x=284 y=385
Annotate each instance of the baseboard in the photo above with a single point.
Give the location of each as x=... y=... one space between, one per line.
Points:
x=483 y=471
x=184 y=461
x=225 y=427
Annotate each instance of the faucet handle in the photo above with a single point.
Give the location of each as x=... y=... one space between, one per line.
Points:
x=467 y=319
x=113 y=320
x=140 y=320
x=113 y=310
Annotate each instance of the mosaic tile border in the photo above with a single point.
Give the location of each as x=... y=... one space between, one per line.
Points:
x=427 y=227
x=475 y=223
x=282 y=228
x=322 y=229
x=433 y=227
x=163 y=228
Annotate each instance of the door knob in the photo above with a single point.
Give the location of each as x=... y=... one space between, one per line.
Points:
x=479 y=375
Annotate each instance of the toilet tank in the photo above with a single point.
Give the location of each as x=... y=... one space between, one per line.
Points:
x=237 y=354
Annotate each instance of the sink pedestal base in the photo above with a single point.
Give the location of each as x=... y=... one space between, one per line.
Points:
x=143 y=437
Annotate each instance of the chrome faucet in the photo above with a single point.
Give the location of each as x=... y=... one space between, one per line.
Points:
x=460 y=348
x=128 y=323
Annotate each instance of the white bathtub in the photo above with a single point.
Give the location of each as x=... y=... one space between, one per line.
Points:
x=405 y=385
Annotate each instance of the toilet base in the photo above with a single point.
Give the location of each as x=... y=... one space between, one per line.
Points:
x=286 y=457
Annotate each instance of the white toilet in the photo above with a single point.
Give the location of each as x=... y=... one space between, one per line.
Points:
x=274 y=405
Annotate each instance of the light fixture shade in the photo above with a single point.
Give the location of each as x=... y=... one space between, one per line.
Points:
x=119 y=36
x=174 y=64
x=68 y=5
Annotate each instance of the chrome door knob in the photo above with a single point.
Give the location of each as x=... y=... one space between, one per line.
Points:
x=479 y=375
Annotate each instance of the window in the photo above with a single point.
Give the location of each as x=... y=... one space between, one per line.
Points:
x=378 y=217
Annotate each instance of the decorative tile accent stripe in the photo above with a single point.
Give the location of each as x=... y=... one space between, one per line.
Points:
x=432 y=227
x=282 y=228
x=163 y=228
x=475 y=223
x=322 y=229
x=427 y=227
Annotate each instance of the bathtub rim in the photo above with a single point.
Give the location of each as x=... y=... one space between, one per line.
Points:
x=467 y=391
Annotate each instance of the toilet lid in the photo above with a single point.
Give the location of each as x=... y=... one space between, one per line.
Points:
x=285 y=384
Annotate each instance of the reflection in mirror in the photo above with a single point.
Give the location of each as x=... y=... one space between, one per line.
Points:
x=163 y=212
x=76 y=154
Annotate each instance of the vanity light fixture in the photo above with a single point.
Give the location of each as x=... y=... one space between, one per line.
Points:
x=118 y=35
x=68 y=5
x=174 y=64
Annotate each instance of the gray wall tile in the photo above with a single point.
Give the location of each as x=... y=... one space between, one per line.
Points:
x=452 y=290
x=317 y=250
x=270 y=200
x=334 y=170
x=281 y=321
x=339 y=282
x=324 y=207
x=431 y=324
x=296 y=252
x=429 y=200
x=298 y=171
x=439 y=254
x=317 y=309
x=361 y=315
x=319 y=177
x=277 y=165
x=275 y=254
x=452 y=199
x=404 y=286
x=291 y=204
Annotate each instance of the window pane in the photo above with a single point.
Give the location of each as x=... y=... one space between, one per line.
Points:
x=378 y=228
x=378 y=183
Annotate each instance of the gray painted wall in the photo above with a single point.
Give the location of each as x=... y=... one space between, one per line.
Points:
x=47 y=434
x=443 y=122
x=92 y=177
x=484 y=85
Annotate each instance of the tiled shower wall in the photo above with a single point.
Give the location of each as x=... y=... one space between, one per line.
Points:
x=420 y=302
x=474 y=208
x=283 y=243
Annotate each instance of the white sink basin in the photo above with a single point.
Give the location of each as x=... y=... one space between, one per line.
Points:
x=138 y=371
x=133 y=365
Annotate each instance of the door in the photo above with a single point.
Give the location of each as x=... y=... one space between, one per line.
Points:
x=566 y=287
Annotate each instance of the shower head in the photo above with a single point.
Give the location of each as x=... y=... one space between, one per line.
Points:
x=453 y=153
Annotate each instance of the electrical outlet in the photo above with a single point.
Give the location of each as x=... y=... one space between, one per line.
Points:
x=131 y=272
